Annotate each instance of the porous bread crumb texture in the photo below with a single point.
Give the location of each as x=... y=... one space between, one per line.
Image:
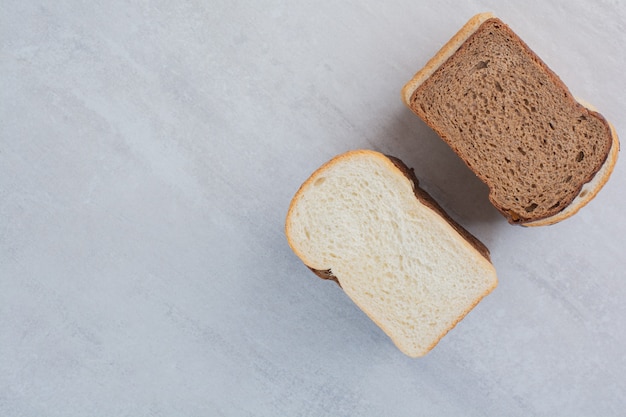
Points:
x=514 y=123
x=396 y=258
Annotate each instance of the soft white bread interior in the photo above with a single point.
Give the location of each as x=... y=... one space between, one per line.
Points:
x=362 y=220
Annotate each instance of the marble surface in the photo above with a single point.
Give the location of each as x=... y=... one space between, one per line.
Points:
x=148 y=154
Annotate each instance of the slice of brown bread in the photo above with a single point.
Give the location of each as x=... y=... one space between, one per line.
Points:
x=362 y=221
x=542 y=153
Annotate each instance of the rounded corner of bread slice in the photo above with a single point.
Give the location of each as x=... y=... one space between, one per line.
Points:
x=398 y=259
x=444 y=53
x=590 y=189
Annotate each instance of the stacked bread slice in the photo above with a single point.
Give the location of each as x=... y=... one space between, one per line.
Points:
x=542 y=153
x=362 y=220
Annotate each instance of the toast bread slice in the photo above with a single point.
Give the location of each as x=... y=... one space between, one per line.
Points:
x=362 y=220
x=543 y=153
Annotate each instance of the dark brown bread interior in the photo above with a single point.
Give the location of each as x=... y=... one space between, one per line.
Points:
x=514 y=123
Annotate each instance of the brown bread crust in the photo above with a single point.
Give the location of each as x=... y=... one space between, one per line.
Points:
x=326 y=275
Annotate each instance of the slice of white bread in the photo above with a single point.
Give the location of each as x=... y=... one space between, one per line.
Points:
x=362 y=220
x=543 y=154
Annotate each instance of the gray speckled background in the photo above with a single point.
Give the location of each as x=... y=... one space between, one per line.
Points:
x=148 y=154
